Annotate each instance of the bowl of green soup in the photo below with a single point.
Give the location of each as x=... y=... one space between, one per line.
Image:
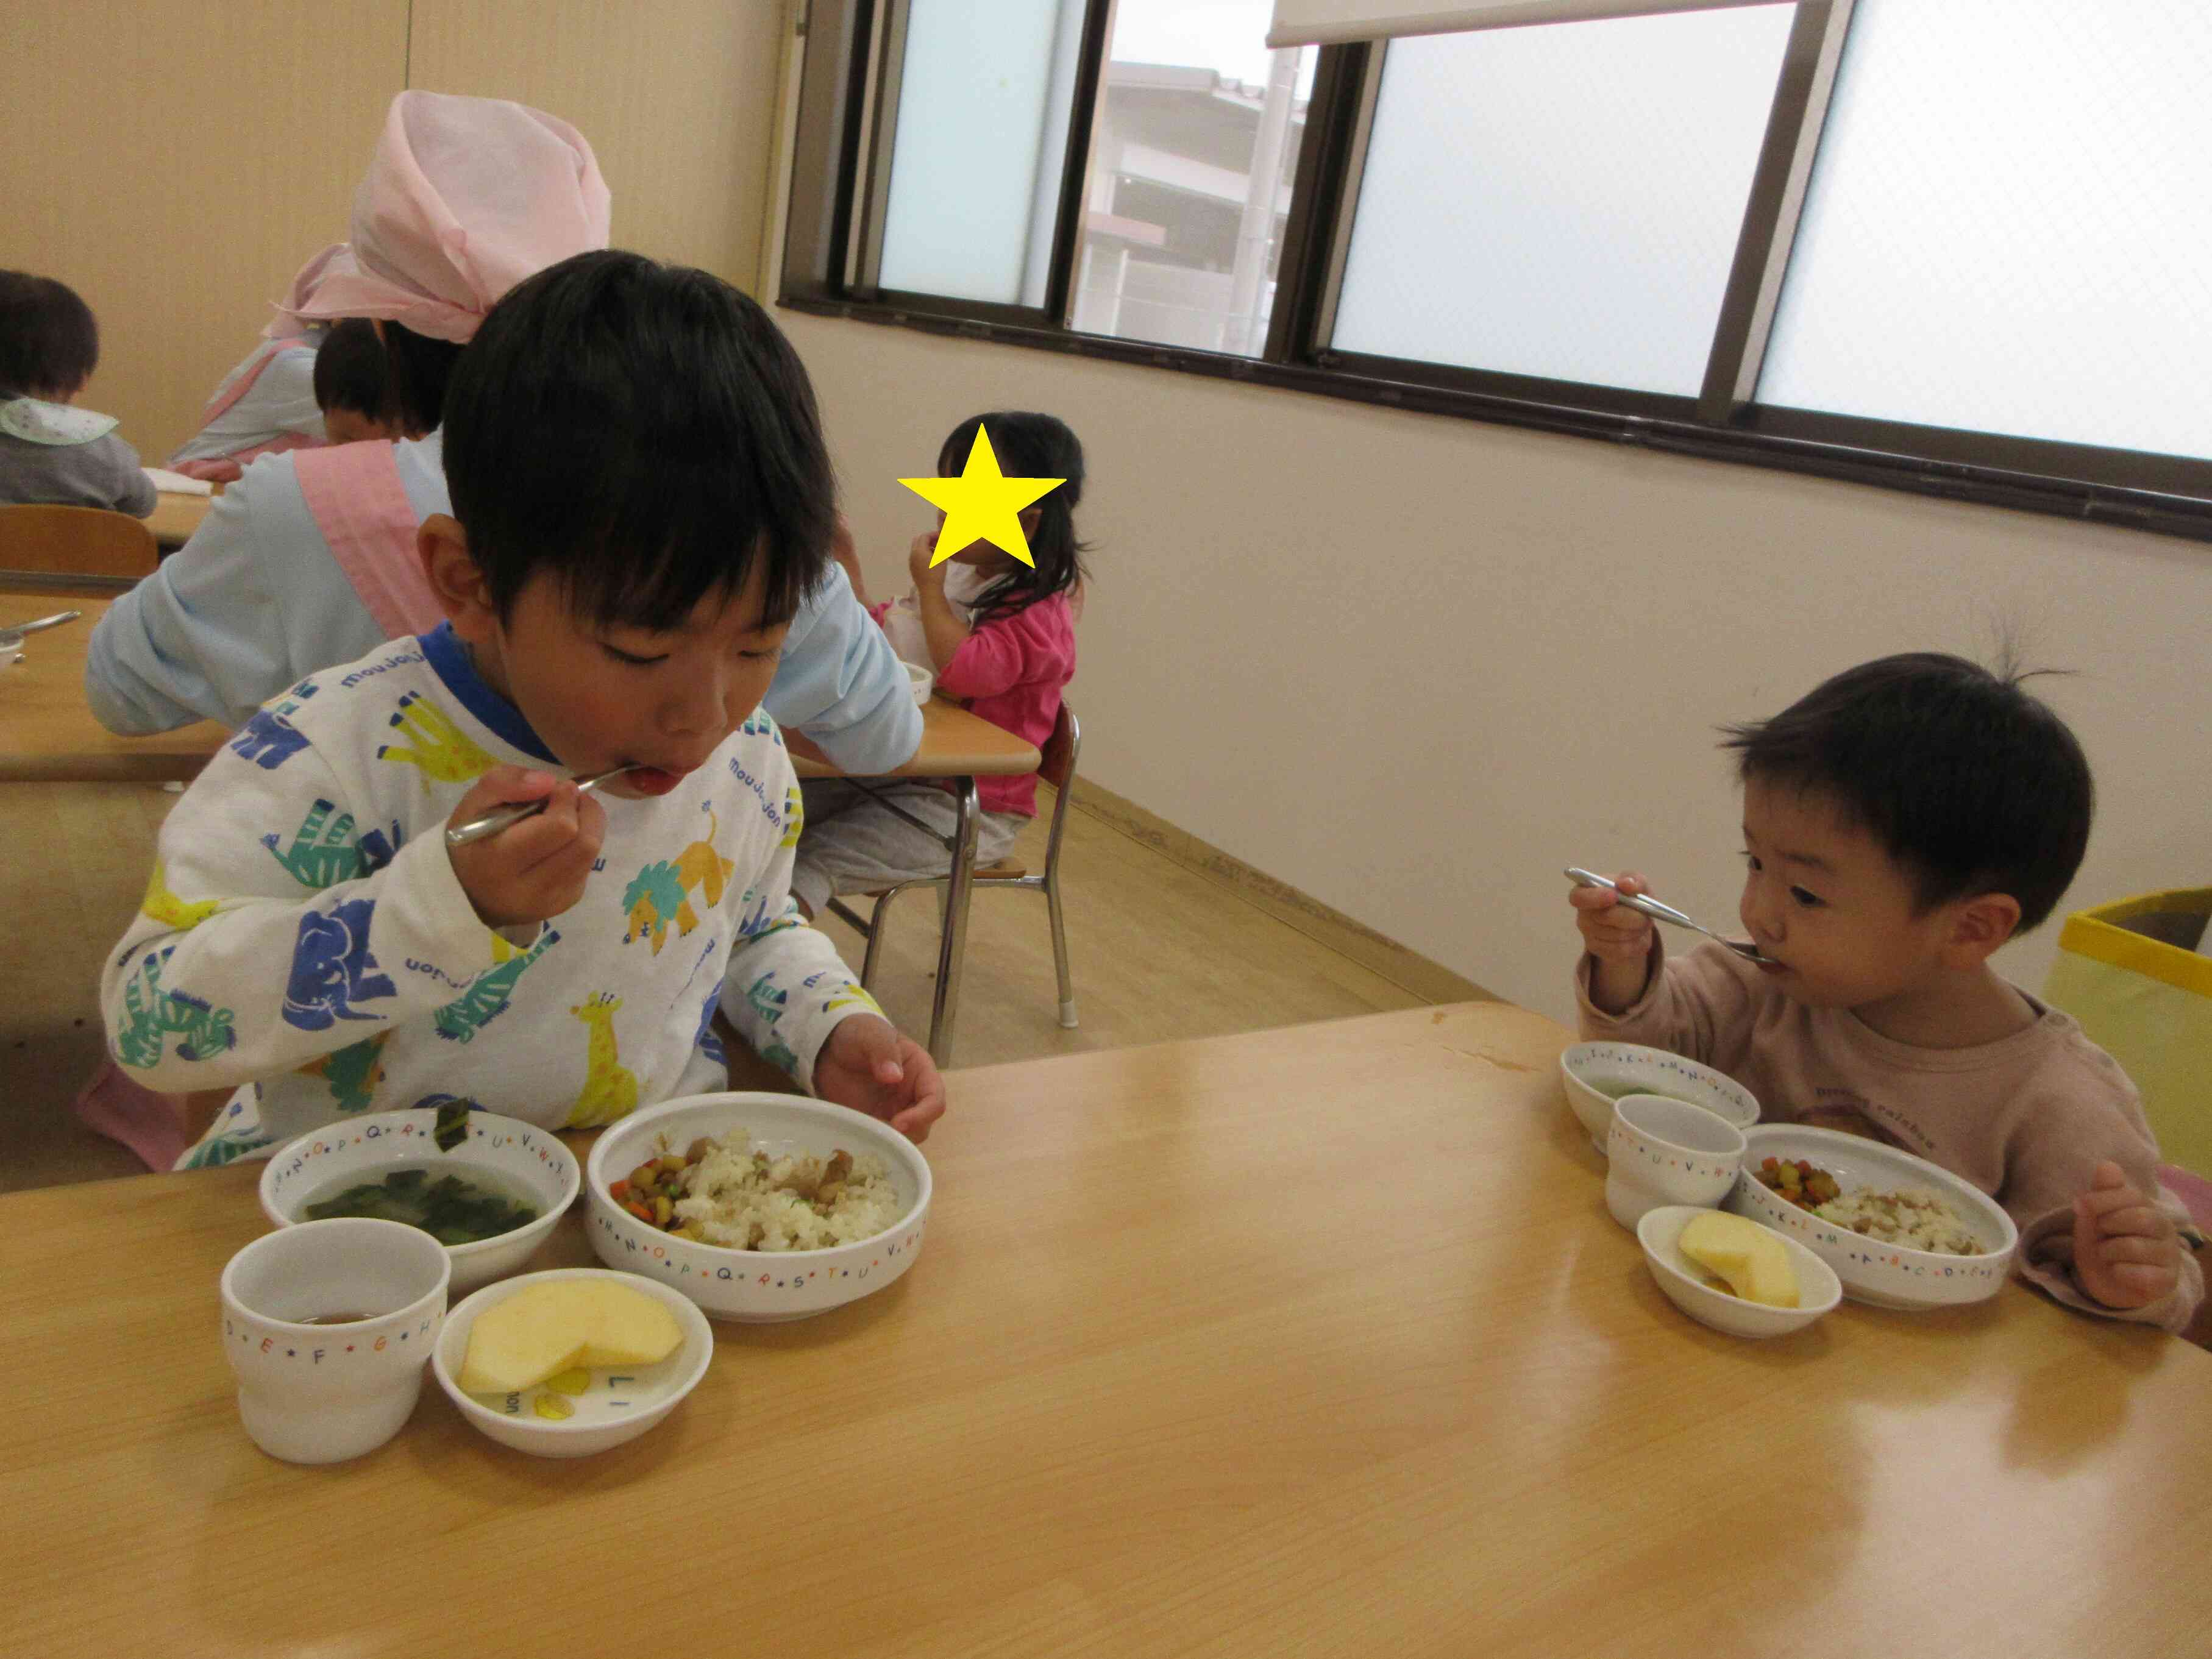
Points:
x=1597 y=1074
x=490 y=1188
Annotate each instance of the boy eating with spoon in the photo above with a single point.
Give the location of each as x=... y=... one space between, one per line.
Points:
x=641 y=496
x=1901 y=821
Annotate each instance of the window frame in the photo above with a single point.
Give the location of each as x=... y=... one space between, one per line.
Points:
x=840 y=179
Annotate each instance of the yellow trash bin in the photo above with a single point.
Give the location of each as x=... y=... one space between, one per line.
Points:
x=2133 y=974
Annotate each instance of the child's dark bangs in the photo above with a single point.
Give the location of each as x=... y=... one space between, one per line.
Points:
x=670 y=542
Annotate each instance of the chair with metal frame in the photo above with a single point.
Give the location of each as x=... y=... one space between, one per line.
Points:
x=1060 y=752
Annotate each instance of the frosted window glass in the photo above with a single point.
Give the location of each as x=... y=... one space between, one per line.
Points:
x=1562 y=200
x=980 y=147
x=2008 y=223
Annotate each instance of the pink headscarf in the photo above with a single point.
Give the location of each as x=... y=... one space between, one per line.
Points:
x=304 y=284
x=465 y=197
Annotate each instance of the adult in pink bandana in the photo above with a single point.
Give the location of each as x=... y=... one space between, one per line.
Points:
x=466 y=197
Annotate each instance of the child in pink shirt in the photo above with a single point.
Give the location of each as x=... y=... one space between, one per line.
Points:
x=997 y=634
x=1901 y=822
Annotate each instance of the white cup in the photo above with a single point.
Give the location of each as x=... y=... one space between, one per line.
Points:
x=1668 y=1151
x=319 y=1393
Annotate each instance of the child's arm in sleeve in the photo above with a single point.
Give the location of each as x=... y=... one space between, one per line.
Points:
x=135 y=491
x=1699 y=1006
x=275 y=930
x=2053 y=1192
x=1007 y=652
x=840 y=685
x=202 y=638
x=786 y=989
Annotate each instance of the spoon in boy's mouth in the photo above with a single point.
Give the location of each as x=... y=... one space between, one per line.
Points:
x=1651 y=907
x=492 y=822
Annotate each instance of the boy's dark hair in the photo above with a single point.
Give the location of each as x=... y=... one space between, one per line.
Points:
x=1969 y=783
x=419 y=371
x=49 y=340
x=645 y=433
x=1029 y=446
x=351 y=372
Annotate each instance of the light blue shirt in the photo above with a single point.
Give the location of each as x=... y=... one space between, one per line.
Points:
x=280 y=400
x=255 y=602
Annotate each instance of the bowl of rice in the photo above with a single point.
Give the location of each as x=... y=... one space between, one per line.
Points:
x=771 y=1206
x=1901 y=1233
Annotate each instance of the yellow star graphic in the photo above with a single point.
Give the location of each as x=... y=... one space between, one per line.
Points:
x=982 y=504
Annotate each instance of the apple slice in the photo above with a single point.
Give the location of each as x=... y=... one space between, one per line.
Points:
x=542 y=1330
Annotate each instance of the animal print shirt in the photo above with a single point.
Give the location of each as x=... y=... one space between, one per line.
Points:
x=305 y=937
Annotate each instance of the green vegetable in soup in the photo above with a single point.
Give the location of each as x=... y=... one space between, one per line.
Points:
x=452 y=1123
x=454 y=1209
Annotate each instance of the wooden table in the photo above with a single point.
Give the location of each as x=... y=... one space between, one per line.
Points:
x=958 y=747
x=175 y=517
x=47 y=731
x=1308 y=1342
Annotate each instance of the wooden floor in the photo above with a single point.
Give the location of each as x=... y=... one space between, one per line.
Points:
x=1161 y=951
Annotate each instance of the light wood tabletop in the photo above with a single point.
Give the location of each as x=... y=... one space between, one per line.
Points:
x=47 y=731
x=175 y=517
x=954 y=744
x=1316 y=1341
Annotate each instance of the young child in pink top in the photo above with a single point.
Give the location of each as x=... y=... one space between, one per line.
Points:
x=1901 y=822
x=997 y=634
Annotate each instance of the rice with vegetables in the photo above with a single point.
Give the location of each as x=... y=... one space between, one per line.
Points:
x=749 y=1201
x=1912 y=1217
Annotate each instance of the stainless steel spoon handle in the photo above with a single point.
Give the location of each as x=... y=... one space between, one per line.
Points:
x=1648 y=906
x=492 y=822
x=1651 y=907
x=13 y=636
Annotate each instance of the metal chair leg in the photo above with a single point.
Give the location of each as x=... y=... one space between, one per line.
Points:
x=1060 y=956
x=876 y=920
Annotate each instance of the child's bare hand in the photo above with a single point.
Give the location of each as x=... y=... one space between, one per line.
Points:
x=868 y=1064
x=918 y=557
x=2126 y=1252
x=1612 y=931
x=534 y=870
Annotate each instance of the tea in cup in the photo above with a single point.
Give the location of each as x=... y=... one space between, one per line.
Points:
x=327 y=1326
x=1663 y=1151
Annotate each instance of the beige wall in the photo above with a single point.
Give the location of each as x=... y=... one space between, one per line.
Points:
x=174 y=163
x=677 y=96
x=1415 y=666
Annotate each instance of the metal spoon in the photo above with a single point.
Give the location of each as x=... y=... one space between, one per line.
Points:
x=1651 y=907
x=12 y=637
x=493 y=822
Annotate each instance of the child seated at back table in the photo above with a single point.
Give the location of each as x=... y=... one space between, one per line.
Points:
x=353 y=389
x=1901 y=822
x=48 y=452
x=997 y=634
x=627 y=543
x=268 y=403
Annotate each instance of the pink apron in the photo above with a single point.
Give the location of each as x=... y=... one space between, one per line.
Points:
x=360 y=506
x=221 y=469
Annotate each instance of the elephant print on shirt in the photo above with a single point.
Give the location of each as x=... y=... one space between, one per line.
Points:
x=333 y=968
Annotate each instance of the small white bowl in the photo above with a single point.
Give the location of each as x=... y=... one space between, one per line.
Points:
x=617 y=1406
x=1882 y=1275
x=1631 y=1068
x=1660 y=1233
x=918 y=680
x=756 y=1286
x=365 y=1148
